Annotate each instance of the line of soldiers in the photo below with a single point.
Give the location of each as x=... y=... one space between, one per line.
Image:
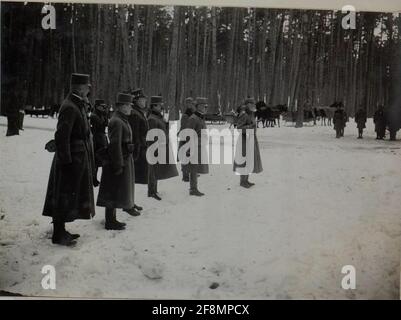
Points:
x=381 y=119
x=81 y=146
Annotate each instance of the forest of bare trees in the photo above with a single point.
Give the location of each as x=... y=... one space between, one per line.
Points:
x=277 y=55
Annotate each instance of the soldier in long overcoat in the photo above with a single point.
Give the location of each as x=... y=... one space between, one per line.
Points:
x=99 y=121
x=198 y=165
x=117 y=185
x=70 y=188
x=189 y=110
x=339 y=122
x=159 y=171
x=360 y=119
x=140 y=126
x=246 y=121
x=379 y=119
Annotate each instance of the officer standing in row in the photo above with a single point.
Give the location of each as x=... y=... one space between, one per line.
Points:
x=360 y=119
x=246 y=121
x=139 y=125
x=99 y=121
x=197 y=123
x=379 y=119
x=70 y=189
x=117 y=185
x=189 y=110
x=159 y=171
x=339 y=119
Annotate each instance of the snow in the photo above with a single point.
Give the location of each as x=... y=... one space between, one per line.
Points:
x=320 y=203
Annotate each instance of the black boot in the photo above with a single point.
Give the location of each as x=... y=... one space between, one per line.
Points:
x=243 y=182
x=251 y=184
x=132 y=212
x=60 y=236
x=196 y=192
x=185 y=176
x=73 y=236
x=138 y=207
x=111 y=221
x=154 y=195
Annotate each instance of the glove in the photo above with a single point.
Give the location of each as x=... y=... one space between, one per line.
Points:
x=51 y=146
x=96 y=182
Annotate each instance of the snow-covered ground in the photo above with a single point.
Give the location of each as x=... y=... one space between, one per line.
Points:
x=320 y=203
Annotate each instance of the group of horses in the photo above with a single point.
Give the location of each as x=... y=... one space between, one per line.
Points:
x=270 y=116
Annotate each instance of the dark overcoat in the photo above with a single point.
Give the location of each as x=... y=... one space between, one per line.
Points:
x=360 y=119
x=183 y=125
x=162 y=171
x=197 y=123
x=339 y=120
x=70 y=188
x=140 y=126
x=379 y=119
x=99 y=124
x=247 y=121
x=117 y=190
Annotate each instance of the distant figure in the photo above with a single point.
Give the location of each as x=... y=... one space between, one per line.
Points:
x=55 y=108
x=339 y=119
x=379 y=119
x=360 y=119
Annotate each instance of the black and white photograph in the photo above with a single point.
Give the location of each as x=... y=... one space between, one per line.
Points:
x=200 y=151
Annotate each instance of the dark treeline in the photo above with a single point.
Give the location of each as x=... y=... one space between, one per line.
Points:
x=277 y=55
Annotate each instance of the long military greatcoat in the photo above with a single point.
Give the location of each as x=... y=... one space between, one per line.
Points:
x=247 y=121
x=117 y=190
x=162 y=171
x=339 y=119
x=70 y=188
x=379 y=119
x=140 y=126
x=197 y=123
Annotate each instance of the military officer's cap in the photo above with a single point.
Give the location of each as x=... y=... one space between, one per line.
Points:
x=79 y=79
x=201 y=100
x=124 y=98
x=138 y=93
x=156 y=99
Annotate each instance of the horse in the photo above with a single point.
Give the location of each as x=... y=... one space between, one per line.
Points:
x=269 y=116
